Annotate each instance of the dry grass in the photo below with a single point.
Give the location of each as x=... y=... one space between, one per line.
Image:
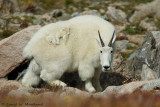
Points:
x=136 y=99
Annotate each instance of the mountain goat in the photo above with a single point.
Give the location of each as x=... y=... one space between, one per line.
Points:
x=84 y=44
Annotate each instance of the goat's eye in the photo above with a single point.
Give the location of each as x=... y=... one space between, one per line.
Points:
x=100 y=51
x=111 y=51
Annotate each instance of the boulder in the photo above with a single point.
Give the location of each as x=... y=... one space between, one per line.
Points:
x=7 y=86
x=116 y=15
x=123 y=89
x=8 y=6
x=130 y=88
x=147 y=54
x=148 y=25
x=16 y=90
x=143 y=10
x=148 y=74
x=138 y=39
x=123 y=45
x=153 y=85
x=11 y=49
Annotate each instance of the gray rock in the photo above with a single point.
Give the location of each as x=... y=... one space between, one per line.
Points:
x=90 y=12
x=143 y=10
x=152 y=85
x=57 y=13
x=148 y=25
x=148 y=54
x=8 y=6
x=37 y=21
x=94 y=4
x=2 y=22
x=87 y=12
x=123 y=89
x=116 y=15
x=148 y=74
x=75 y=14
x=121 y=44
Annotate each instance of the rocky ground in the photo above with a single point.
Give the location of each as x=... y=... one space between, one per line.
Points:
x=136 y=61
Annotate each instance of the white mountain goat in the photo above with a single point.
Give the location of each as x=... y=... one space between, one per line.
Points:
x=84 y=44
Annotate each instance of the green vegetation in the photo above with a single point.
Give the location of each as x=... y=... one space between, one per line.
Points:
x=133 y=1
x=6 y=33
x=68 y=2
x=125 y=55
x=133 y=29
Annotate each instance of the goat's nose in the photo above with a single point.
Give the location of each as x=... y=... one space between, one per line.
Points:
x=106 y=67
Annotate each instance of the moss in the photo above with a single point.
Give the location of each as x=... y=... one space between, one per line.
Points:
x=68 y=2
x=133 y=29
x=6 y=33
x=133 y=1
x=158 y=24
x=132 y=48
x=125 y=56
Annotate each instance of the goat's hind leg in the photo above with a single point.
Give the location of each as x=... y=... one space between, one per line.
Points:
x=31 y=77
x=52 y=78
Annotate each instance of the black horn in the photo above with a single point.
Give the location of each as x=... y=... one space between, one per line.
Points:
x=110 y=43
x=102 y=43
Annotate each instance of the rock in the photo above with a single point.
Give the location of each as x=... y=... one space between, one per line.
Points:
x=148 y=74
x=121 y=44
x=94 y=4
x=121 y=4
x=57 y=13
x=19 y=93
x=121 y=36
x=136 y=38
x=86 y=12
x=90 y=12
x=147 y=54
x=7 y=85
x=102 y=11
x=2 y=22
x=44 y=92
x=16 y=90
x=120 y=28
x=37 y=21
x=152 y=85
x=149 y=26
x=8 y=6
x=123 y=89
x=143 y=10
x=70 y=91
x=117 y=60
x=11 y=49
x=116 y=15
x=119 y=66
x=126 y=51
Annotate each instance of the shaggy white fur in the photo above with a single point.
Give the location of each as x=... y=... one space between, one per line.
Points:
x=67 y=46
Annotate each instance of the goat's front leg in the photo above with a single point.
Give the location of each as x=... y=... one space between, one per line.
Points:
x=86 y=73
x=96 y=80
x=89 y=87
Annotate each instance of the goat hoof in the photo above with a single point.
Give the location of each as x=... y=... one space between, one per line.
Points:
x=58 y=83
x=91 y=90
